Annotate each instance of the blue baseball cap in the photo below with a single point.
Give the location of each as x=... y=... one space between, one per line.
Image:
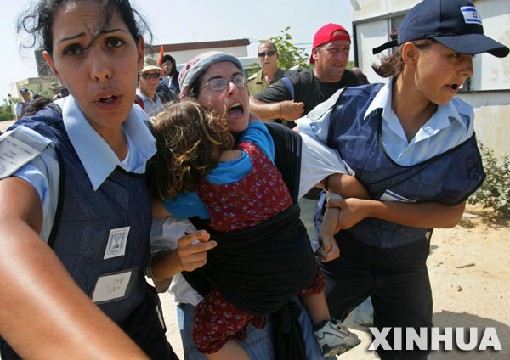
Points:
x=454 y=23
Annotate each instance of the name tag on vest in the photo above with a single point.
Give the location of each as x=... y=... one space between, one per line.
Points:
x=111 y=287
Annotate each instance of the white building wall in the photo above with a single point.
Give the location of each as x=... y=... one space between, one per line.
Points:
x=493 y=73
x=370 y=35
x=367 y=9
x=492 y=119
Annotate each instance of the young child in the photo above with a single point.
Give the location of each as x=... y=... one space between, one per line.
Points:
x=199 y=172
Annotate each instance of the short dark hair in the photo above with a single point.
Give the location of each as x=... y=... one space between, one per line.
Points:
x=174 y=73
x=168 y=57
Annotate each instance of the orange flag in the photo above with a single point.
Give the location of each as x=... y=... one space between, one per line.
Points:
x=161 y=52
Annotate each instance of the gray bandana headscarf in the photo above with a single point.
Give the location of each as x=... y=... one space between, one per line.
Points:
x=198 y=65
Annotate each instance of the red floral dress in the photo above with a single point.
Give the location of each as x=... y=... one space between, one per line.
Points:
x=258 y=196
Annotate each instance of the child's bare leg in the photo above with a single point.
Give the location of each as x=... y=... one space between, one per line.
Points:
x=317 y=307
x=231 y=350
x=329 y=249
x=333 y=337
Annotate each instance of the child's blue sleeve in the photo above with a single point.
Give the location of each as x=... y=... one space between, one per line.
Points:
x=257 y=134
x=186 y=205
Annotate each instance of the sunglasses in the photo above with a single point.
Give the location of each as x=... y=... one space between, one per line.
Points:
x=148 y=76
x=269 y=53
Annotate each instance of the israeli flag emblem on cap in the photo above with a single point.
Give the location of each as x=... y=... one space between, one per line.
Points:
x=471 y=16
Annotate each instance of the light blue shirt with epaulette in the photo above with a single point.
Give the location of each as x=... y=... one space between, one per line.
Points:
x=449 y=126
x=97 y=158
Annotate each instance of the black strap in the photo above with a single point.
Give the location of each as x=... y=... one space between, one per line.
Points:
x=58 y=212
x=289 y=86
x=386 y=45
x=288 y=146
x=288 y=334
x=267 y=264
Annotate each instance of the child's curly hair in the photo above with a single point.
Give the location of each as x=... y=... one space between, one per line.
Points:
x=189 y=141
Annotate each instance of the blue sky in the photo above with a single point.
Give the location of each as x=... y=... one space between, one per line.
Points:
x=174 y=21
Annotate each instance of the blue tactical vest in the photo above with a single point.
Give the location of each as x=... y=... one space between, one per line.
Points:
x=84 y=220
x=448 y=178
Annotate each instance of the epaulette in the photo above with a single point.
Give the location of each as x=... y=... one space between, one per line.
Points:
x=17 y=148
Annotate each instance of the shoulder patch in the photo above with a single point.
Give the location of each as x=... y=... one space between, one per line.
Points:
x=18 y=148
x=252 y=77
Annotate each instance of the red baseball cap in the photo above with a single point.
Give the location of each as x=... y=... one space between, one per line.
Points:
x=325 y=34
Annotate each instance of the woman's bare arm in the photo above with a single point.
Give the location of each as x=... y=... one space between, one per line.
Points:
x=422 y=215
x=43 y=313
x=347 y=186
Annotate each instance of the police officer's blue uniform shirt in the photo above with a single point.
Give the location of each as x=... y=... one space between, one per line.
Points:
x=97 y=157
x=451 y=125
x=394 y=168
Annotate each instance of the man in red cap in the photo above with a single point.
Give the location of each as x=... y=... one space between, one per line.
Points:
x=297 y=94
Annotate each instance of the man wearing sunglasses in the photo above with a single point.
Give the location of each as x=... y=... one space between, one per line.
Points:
x=269 y=72
x=146 y=96
x=297 y=94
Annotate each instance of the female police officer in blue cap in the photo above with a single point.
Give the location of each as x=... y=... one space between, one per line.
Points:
x=411 y=143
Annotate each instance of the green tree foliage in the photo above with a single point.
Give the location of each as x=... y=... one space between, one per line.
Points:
x=6 y=111
x=290 y=55
x=495 y=191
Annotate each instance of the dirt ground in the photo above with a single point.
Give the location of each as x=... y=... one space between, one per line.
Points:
x=470 y=275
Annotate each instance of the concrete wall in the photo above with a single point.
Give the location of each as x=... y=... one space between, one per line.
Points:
x=368 y=9
x=36 y=85
x=492 y=120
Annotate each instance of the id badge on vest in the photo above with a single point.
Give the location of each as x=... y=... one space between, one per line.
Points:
x=117 y=243
x=114 y=286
